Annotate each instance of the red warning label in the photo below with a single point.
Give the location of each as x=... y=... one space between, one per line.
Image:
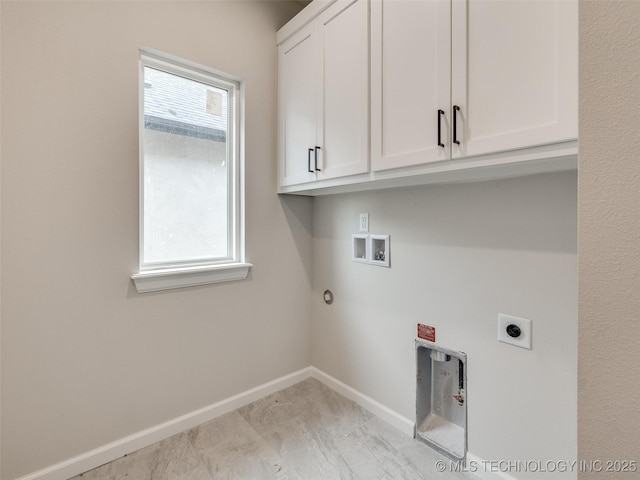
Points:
x=427 y=332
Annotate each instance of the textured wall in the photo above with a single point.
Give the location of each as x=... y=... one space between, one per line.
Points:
x=85 y=359
x=609 y=233
x=460 y=254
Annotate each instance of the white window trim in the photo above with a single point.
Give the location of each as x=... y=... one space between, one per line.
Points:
x=155 y=277
x=154 y=280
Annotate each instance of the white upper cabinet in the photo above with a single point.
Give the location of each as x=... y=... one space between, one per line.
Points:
x=324 y=96
x=410 y=82
x=514 y=74
x=299 y=87
x=386 y=93
x=489 y=75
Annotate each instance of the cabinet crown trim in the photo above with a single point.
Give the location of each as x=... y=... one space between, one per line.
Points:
x=306 y=15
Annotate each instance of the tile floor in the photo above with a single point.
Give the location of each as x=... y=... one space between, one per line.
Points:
x=305 y=432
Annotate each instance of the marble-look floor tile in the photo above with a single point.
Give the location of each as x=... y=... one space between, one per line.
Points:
x=305 y=432
x=232 y=449
x=137 y=465
x=177 y=459
x=301 y=425
x=400 y=456
x=310 y=402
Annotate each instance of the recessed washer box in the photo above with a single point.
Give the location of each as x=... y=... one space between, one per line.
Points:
x=379 y=248
x=371 y=249
x=360 y=248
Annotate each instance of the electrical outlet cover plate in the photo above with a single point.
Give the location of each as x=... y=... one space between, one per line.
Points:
x=364 y=222
x=524 y=339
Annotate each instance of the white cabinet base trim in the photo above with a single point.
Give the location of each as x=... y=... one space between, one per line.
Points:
x=544 y=159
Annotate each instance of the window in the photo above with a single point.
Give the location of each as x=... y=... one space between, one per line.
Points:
x=191 y=212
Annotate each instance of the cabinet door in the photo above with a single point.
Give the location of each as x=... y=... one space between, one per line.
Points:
x=298 y=81
x=410 y=82
x=514 y=74
x=343 y=128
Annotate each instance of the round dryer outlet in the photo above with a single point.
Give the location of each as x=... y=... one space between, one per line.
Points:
x=514 y=330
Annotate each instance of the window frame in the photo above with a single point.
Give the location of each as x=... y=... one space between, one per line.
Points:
x=152 y=276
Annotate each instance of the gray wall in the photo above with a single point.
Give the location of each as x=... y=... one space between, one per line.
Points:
x=609 y=233
x=85 y=359
x=460 y=254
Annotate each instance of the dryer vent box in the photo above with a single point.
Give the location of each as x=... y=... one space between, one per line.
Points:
x=441 y=403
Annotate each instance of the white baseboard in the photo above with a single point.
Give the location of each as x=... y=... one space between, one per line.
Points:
x=391 y=417
x=106 y=453
x=111 y=451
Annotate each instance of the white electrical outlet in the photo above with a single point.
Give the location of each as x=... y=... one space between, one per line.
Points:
x=514 y=330
x=364 y=222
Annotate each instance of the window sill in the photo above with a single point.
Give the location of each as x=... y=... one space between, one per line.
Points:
x=154 y=280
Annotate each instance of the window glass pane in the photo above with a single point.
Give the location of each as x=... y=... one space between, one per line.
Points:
x=185 y=169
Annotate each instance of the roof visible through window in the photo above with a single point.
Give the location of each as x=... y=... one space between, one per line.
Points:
x=183 y=106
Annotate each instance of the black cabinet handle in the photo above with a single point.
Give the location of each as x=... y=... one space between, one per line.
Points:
x=456 y=109
x=440 y=113
x=316 y=150
x=309 y=160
